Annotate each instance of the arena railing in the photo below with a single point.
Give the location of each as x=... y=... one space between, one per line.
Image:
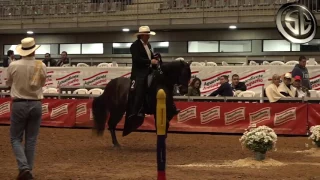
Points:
x=115 y=10
x=190 y=98
x=313 y=5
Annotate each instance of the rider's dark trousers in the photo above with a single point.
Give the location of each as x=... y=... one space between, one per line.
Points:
x=138 y=95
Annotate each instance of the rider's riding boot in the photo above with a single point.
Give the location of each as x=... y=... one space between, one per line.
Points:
x=176 y=111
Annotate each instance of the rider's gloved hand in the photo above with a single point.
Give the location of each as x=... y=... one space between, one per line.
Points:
x=154 y=61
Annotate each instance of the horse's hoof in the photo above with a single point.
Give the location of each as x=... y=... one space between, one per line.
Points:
x=116 y=146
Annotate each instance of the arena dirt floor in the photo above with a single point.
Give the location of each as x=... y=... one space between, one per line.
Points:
x=71 y=154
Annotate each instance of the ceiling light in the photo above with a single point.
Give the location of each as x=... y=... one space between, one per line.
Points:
x=29 y=32
x=128 y=44
x=125 y=30
x=233 y=27
x=164 y=44
x=115 y=45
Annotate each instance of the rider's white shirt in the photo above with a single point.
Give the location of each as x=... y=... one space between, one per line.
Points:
x=146 y=47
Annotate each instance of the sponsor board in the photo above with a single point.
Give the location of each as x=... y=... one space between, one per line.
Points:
x=81 y=109
x=5 y=108
x=315 y=82
x=59 y=111
x=98 y=79
x=187 y=114
x=71 y=79
x=127 y=75
x=45 y=108
x=210 y=115
x=234 y=116
x=49 y=80
x=91 y=115
x=253 y=79
x=285 y=116
x=260 y=116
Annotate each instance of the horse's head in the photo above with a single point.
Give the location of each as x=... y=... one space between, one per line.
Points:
x=178 y=72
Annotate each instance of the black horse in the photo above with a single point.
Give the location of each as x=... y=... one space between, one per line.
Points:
x=114 y=100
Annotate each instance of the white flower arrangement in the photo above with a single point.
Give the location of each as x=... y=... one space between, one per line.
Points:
x=260 y=139
x=315 y=133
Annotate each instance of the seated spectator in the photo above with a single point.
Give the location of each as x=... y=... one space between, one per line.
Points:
x=301 y=90
x=272 y=90
x=64 y=59
x=236 y=85
x=194 y=88
x=48 y=61
x=286 y=88
x=10 y=58
x=224 y=89
x=176 y=90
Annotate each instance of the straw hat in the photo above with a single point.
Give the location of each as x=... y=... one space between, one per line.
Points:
x=27 y=46
x=145 y=30
x=288 y=76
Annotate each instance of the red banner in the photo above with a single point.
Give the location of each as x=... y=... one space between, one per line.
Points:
x=5 y=110
x=313 y=114
x=84 y=117
x=55 y=112
x=284 y=118
x=58 y=113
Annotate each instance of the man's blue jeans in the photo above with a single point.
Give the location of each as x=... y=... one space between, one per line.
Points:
x=25 y=118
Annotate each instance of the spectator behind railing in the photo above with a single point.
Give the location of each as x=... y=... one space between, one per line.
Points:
x=10 y=58
x=48 y=61
x=224 y=89
x=194 y=88
x=286 y=88
x=301 y=90
x=302 y=71
x=272 y=90
x=176 y=90
x=237 y=86
x=64 y=59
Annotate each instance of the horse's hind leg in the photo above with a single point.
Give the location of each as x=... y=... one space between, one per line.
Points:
x=115 y=117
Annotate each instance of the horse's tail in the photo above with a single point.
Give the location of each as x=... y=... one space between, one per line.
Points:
x=100 y=112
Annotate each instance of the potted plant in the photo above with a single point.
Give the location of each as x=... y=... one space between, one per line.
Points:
x=315 y=135
x=259 y=140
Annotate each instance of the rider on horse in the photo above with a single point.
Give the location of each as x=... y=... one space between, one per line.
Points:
x=142 y=62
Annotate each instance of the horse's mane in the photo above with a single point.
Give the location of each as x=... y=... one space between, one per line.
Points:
x=172 y=66
x=172 y=71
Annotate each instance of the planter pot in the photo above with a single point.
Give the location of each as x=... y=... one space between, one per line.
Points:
x=317 y=143
x=259 y=156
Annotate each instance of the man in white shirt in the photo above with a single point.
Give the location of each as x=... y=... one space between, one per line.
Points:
x=26 y=78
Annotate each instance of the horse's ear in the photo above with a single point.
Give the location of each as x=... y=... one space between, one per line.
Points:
x=189 y=62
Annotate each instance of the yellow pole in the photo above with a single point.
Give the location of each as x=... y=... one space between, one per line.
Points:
x=161 y=112
x=161 y=118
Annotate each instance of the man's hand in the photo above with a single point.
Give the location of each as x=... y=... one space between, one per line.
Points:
x=154 y=61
